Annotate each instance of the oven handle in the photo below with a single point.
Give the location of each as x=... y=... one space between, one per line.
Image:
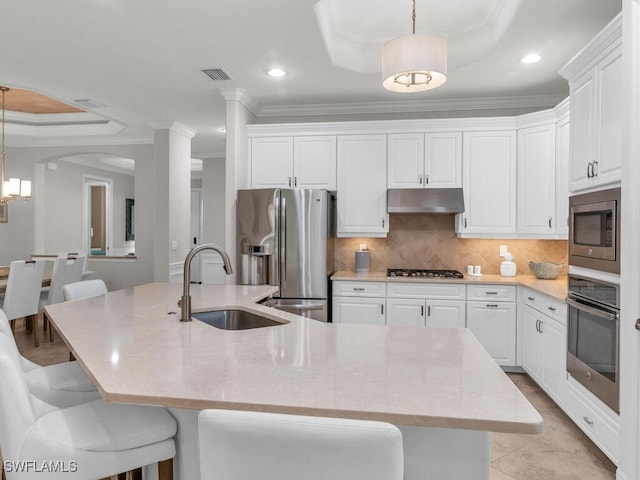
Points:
x=593 y=310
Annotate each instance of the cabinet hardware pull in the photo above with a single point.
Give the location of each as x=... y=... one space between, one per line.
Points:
x=491 y=293
x=465 y=222
x=638 y=324
x=541 y=324
x=531 y=298
x=426 y=179
x=594 y=172
x=537 y=326
x=553 y=309
x=422 y=310
x=383 y=223
x=295 y=183
x=358 y=289
x=492 y=305
x=549 y=222
x=589 y=170
x=382 y=309
x=420 y=179
x=429 y=311
x=289 y=181
x=588 y=420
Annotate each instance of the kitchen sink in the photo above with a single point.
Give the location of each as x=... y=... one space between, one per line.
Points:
x=235 y=319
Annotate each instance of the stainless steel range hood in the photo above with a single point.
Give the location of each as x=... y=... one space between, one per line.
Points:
x=425 y=200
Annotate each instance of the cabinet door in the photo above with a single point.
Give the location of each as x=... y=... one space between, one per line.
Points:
x=446 y=313
x=554 y=358
x=314 y=162
x=443 y=160
x=494 y=325
x=609 y=119
x=358 y=310
x=489 y=179
x=582 y=146
x=405 y=311
x=405 y=160
x=536 y=180
x=362 y=186
x=531 y=360
x=272 y=162
x=562 y=177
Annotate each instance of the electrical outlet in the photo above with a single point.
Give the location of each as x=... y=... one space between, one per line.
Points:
x=503 y=250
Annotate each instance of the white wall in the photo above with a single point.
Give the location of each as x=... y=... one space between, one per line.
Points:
x=213 y=200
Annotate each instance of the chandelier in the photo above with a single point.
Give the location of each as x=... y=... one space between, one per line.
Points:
x=414 y=63
x=13 y=187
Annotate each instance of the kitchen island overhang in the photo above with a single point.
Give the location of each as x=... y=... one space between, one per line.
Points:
x=135 y=349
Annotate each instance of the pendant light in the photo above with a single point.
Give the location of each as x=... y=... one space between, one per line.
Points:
x=414 y=63
x=13 y=187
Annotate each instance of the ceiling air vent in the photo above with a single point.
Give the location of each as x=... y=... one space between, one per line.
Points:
x=217 y=74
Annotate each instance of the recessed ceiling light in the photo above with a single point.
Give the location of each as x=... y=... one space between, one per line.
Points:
x=277 y=72
x=531 y=58
x=222 y=129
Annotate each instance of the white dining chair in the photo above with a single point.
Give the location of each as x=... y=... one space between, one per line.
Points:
x=242 y=445
x=62 y=385
x=87 y=441
x=84 y=289
x=22 y=294
x=65 y=270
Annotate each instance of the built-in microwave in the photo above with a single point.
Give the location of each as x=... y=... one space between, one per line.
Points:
x=594 y=230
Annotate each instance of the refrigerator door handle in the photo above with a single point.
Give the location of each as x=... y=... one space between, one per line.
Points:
x=283 y=242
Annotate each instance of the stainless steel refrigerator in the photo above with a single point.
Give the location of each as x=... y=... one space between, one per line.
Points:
x=285 y=238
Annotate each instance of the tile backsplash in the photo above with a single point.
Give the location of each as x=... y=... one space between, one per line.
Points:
x=430 y=241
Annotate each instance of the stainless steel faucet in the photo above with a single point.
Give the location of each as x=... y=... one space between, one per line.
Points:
x=185 y=301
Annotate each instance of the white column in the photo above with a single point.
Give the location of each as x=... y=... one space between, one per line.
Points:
x=171 y=199
x=238 y=116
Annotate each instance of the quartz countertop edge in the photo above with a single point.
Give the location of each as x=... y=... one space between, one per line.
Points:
x=132 y=344
x=555 y=288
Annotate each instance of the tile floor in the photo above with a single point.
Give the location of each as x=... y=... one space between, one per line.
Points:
x=561 y=452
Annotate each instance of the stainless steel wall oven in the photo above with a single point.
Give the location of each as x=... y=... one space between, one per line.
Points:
x=593 y=337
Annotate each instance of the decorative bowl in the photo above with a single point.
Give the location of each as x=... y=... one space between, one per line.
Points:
x=546 y=270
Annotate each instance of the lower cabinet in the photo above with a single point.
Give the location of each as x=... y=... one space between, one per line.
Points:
x=544 y=338
x=431 y=313
x=359 y=302
x=494 y=325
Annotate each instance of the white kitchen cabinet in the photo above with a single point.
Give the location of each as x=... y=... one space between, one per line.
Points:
x=362 y=186
x=491 y=317
x=536 y=180
x=545 y=342
x=425 y=160
x=489 y=184
x=426 y=303
x=293 y=162
x=359 y=302
x=597 y=105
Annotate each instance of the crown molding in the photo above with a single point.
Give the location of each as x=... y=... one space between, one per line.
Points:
x=19 y=142
x=483 y=103
x=239 y=95
x=176 y=127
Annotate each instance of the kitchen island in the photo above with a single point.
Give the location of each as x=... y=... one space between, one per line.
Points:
x=437 y=384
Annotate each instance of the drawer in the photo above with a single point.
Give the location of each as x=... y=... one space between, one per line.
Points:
x=593 y=421
x=491 y=292
x=440 y=291
x=359 y=289
x=550 y=306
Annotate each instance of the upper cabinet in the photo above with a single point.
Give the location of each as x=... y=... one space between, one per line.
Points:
x=293 y=162
x=425 y=160
x=595 y=81
x=362 y=186
x=489 y=184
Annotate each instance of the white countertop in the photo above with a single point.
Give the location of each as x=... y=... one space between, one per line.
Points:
x=555 y=288
x=136 y=350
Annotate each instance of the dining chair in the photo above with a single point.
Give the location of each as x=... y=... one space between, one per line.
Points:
x=92 y=440
x=65 y=270
x=22 y=294
x=62 y=385
x=269 y=446
x=84 y=289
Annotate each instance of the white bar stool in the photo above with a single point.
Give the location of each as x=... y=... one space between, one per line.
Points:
x=242 y=445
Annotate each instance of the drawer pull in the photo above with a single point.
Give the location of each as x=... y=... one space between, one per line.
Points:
x=553 y=309
x=429 y=311
x=491 y=293
x=531 y=299
x=422 y=310
x=588 y=420
x=492 y=305
x=358 y=289
x=382 y=309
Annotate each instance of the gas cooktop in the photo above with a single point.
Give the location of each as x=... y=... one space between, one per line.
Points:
x=422 y=273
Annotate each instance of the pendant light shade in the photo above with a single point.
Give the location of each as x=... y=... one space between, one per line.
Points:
x=414 y=63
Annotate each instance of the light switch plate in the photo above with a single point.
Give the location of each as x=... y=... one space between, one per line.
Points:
x=503 y=250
